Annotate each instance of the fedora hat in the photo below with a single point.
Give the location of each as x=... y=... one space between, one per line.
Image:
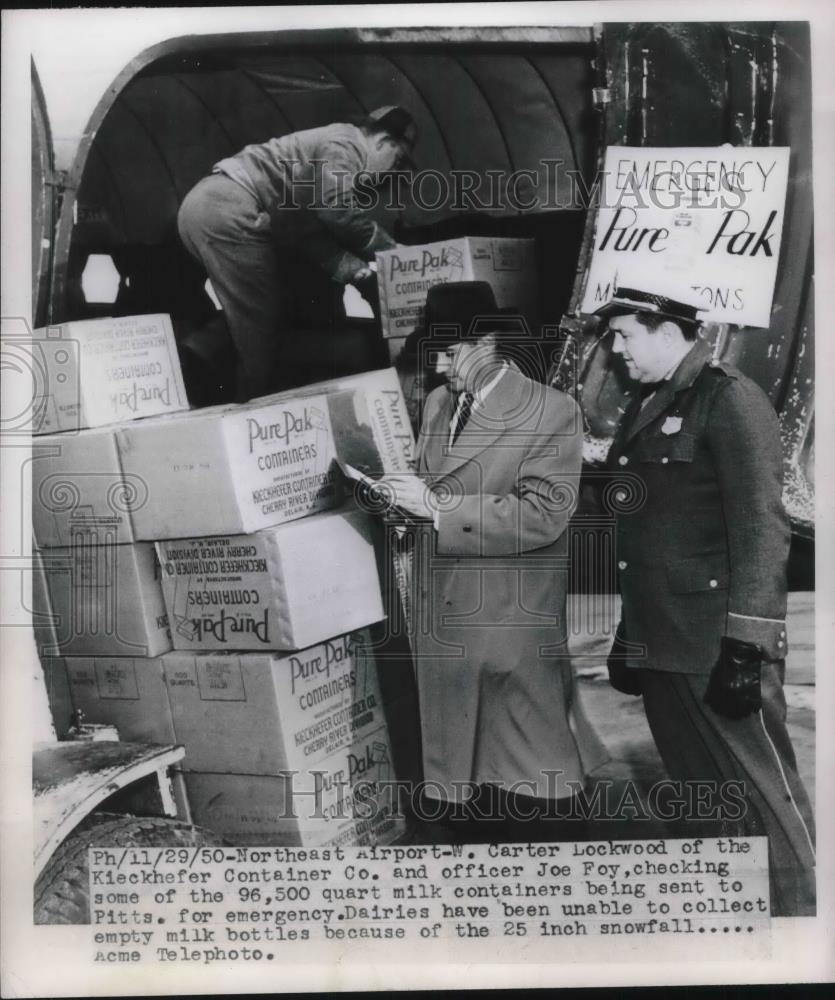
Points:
x=464 y=310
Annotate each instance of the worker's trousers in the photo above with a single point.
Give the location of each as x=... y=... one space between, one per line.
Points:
x=222 y=225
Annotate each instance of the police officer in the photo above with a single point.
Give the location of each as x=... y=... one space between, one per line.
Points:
x=702 y=547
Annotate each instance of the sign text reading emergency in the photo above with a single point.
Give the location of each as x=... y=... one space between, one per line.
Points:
x=703 y=226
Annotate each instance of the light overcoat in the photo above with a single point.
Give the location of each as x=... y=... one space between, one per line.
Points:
x=498 y=700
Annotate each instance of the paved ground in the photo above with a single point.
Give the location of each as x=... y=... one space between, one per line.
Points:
x=621 y=724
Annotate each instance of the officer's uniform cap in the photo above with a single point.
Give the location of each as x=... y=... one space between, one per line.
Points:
x=626 y=301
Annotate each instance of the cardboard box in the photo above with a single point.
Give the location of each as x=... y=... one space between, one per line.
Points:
x=102 y=600
x=369 y=417
x=406 y=274
x=316 y=745
x=127 y=692
x=101 y=371
x=286 y=587
x=77 y=483
x=388 y=416
x=304 y=810
x=370 y=420
x=297 y=710
x=130 y=694
x=232 y=469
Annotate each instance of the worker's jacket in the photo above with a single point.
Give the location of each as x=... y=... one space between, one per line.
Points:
x=305 y=182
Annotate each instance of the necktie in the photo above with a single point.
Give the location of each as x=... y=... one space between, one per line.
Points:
x=464 y=411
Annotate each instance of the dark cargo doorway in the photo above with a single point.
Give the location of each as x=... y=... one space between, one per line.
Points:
x=493 y=103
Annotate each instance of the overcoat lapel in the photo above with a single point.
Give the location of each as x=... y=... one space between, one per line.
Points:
x=486 y=425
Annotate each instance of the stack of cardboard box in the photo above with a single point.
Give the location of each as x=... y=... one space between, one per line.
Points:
x=286 y=748
x=230 y=523
x=96 y=588
x=406 y=274
x=98 y=584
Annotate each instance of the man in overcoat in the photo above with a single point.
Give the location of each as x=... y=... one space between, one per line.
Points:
x=701 y=546
x=498 y=462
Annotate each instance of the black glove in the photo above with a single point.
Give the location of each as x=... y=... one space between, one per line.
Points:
x=734 y=686
x=621 y=677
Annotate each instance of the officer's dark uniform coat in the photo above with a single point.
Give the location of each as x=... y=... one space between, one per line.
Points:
x=702 y=546
x=702 y=538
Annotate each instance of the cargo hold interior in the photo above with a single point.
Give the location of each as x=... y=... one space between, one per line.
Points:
x=481 y=106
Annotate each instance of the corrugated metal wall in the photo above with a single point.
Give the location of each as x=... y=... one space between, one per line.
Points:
x=477 y=110
x=746 y=84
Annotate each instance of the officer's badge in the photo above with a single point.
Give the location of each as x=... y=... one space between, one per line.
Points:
x=672 y=425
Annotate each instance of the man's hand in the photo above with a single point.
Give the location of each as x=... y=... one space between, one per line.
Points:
x=410 y=493
x=734 y=687
x=363 y=274
x=621 y=677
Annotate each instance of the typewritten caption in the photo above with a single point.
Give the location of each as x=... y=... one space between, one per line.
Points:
x=210 y=904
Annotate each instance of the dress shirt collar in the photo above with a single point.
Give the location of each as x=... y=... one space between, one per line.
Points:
x=478 y=397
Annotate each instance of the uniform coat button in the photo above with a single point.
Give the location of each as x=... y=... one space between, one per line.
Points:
x=467 y=527
x=623 y=460
x=713 y=583
x=622 y=564
x=664 y=460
